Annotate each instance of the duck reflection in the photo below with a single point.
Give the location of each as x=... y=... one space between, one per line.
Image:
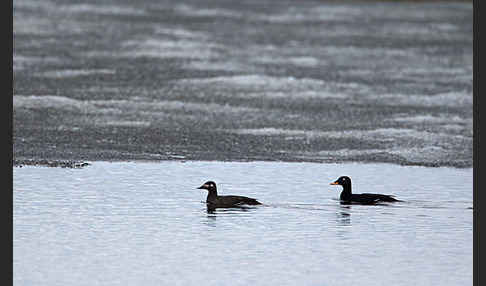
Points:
x=343 y=215
x=212 y=210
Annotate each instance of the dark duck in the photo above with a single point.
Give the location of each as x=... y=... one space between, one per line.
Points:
x=214 y=201
x=365 y=199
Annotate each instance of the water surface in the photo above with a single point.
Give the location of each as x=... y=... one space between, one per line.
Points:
x=141 y=223
x=317 y=81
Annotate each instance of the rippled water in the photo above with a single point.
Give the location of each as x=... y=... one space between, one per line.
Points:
x=141 y=223
x=314 y=80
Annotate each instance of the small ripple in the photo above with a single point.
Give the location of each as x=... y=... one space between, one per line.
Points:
x=303 y=206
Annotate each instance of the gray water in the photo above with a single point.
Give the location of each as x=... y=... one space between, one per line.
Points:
x=308 y=80
x=145 y=223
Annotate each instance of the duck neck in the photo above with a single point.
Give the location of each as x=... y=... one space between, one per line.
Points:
x=346 y=193
x=212 y=194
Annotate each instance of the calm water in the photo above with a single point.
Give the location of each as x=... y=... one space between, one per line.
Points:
x=146 y=224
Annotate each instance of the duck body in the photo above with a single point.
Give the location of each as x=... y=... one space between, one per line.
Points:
x=366 y=198
x=215 y=201
x=347 y=197
x=230 y=201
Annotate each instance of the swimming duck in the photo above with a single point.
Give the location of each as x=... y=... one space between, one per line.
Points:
x=348 y=198
x=214 y=201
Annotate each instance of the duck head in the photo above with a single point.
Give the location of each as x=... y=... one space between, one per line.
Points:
x=209 y=185
x=343 y=181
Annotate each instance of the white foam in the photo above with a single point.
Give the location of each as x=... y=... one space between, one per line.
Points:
x=384 y=135
x=310 y=14
x=259 y=85
x=412 y=154
x=55 y=24
x=345 y=52
x=115 y=112
x=431 y=119
x=139 y=106
x=125 y=123
x=100 y=89
x=451 y=99
x=445 y=27
x=253 y=81
x=103 y=54
x=166 y=48
x=345 y=152
x=433 y=69
x=29 y=4
x=50 y=101
x=191 y=11
x=271 y=58
x=270 y=131
x=101 y=9
x=457 y=127
x=181 y=33
x=216 y=65
x=295 y=94
x=408 y=29
x=304 y=61
x=21 y=62
x=74 y=73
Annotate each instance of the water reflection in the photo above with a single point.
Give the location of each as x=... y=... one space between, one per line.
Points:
x=343 y=216
x=213 y=210
x=210 y=210
x=211 y=220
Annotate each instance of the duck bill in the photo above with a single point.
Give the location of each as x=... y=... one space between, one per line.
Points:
x=203 y=187
x=334 y=183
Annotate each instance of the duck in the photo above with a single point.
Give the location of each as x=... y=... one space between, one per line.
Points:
x=347 y=197
x=214 y=201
